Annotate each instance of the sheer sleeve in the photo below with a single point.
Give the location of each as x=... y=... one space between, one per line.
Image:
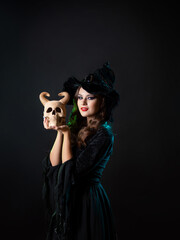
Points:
x=50 y=174
x=59 y=180
x=57 y=183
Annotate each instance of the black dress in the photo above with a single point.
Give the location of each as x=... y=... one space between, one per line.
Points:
x=78 y=206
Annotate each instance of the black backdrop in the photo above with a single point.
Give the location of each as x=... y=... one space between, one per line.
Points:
x=45 y=42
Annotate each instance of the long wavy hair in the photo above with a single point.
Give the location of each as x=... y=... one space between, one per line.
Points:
x=81 y=130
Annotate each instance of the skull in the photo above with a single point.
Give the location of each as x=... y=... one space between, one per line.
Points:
x=55 y=111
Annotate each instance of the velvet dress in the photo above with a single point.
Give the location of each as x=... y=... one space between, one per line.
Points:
x=78 y=206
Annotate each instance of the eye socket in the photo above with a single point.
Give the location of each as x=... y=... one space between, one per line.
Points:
x=49 y=110
x=58 y=109
x=91 y=98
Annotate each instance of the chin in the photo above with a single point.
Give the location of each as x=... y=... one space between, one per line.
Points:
x=84 y=114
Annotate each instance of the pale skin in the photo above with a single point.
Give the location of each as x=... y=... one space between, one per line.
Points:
x=61 y=150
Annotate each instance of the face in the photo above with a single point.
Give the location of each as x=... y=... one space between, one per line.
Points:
x=88 y=104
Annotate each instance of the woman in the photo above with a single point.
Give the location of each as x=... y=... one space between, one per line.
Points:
x=77 y=204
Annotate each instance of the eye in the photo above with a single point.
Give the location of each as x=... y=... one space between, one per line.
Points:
x=79 y=97
x=91 y=98
x=58 y=109
x=49 y=110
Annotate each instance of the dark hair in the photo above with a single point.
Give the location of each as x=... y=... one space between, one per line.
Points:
x=81 y=130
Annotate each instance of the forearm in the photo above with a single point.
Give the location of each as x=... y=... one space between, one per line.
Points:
x=56 y=151
x=66 y=147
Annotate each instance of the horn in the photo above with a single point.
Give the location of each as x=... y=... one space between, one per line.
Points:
x=42 y=97
x=66 y=97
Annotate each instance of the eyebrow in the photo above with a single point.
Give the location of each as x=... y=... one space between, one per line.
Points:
x=86 y=95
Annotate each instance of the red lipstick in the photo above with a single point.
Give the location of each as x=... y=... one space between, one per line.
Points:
x=84 y=109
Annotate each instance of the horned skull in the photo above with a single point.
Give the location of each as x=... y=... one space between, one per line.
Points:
x=55 y=111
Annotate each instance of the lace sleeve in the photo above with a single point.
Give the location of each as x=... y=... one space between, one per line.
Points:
x=99 y=147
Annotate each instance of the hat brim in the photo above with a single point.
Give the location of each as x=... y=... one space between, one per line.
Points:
x=94 y=88
x=72 y=84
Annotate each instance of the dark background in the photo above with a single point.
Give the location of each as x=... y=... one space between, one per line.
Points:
x=45 y=42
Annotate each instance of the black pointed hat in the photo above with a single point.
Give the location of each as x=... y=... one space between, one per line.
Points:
x=100 y=82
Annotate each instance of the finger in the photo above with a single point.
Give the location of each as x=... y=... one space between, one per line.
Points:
x=58 y=128
x=53 y=127
x=46 y=123
x=63 y=126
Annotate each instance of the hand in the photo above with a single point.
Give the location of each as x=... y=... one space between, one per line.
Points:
x=46 y=124
x=63 y=128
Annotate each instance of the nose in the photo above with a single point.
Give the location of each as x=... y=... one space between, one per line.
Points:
x=53 y=112
x=84 y=101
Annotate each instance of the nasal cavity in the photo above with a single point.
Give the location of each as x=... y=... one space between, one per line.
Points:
x=53 y=112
